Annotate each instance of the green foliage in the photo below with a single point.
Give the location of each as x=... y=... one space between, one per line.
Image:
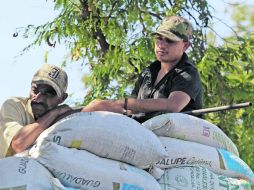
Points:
x=244 y=19
x=113 y=39
x=227 y=76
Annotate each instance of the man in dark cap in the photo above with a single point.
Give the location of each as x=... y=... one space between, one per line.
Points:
x=170 y=84
x=22 y=120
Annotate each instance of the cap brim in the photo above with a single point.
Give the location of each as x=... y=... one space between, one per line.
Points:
x=40 y=80
x=168 y=35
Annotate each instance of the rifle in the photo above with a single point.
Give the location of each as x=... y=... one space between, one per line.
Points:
x=216 y=109
x=192 y=112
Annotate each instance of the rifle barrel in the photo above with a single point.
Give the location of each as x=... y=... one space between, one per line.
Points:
x=216 y=109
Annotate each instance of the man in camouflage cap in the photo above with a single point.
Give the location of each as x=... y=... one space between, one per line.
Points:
x=22 y=120
x=169 y=84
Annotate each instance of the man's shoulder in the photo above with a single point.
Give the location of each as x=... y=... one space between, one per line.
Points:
x=16 y=109
x=16 y=101
x=186 y=66
x=187 y=70
x=185 y=62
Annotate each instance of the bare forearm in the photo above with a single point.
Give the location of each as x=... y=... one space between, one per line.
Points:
x=148 y=105
x=174 y=103
x=27 y=135
x=104 y=105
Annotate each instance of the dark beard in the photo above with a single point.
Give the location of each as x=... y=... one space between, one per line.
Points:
x=39 y=109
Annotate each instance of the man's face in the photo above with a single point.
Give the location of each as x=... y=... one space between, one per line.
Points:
x=43 y=98
x=168 y=51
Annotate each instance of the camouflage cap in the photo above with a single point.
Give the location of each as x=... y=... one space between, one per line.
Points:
x=175 y=28
x=53 y=76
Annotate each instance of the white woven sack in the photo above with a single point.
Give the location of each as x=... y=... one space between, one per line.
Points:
x=217 y=160
x=190 y=128
x=81 y=169
x=199 y=178
x=108 y=135
x=57 y=185
x=23 y=173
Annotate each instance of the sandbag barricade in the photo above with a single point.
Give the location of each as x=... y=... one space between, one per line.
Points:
x=108 y=135
x=190 y=128
x=81 y=169
x=23 y=173
x=220 y=161
x=199 y=178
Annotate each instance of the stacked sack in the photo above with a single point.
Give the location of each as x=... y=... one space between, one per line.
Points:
x=23 y=173
x=100 y=151
x=201 y=156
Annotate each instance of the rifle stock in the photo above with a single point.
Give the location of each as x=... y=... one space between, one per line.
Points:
x=217 y=109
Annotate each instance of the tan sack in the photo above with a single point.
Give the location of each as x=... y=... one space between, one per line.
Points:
x=81 y=169
x=199 y=178
x=217 y=160
x=108 y=135
x=23 y=173
x=190 y=128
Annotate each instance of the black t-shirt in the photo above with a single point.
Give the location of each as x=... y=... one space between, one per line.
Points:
x=183 y=77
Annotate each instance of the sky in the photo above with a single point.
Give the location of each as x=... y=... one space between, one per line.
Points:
x=16 y=71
